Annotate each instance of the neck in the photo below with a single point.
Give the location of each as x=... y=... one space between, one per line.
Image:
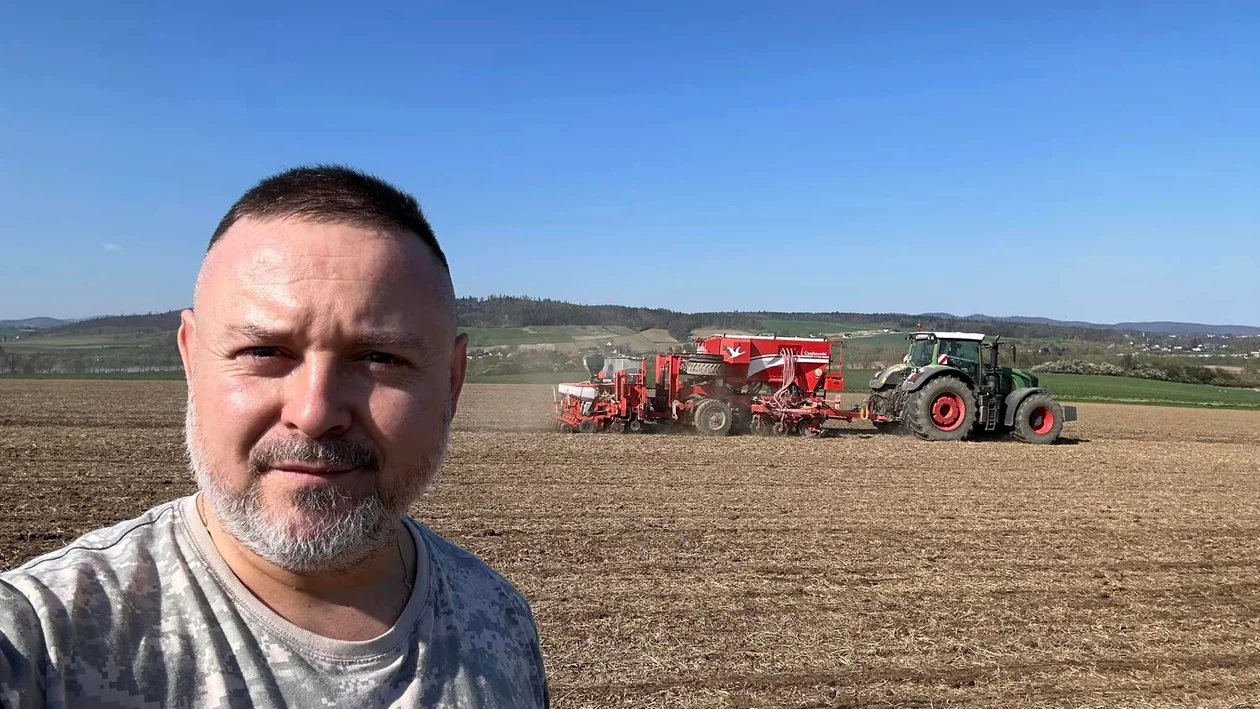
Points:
x=358 y=603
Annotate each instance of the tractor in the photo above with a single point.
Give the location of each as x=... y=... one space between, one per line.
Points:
x=950 y=386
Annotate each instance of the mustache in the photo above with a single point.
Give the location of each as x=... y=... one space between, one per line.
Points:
x=334 y=452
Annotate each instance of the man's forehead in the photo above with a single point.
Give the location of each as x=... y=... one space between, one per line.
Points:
x=290 y=243
x=276 y=251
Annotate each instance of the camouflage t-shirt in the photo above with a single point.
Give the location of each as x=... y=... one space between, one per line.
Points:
x=147 y=613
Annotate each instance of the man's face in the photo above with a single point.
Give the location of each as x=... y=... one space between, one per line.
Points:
x=323 y=372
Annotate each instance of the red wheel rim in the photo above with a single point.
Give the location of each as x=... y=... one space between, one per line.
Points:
x=1041 y=421
x=947 y=411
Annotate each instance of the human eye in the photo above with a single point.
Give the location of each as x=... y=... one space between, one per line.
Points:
x=262 y=352
x=385 y=359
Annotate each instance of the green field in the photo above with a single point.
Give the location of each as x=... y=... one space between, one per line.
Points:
x=1084 y=387
x=540 y=334
x=490 y=336
x=534 y=378
x=106 y=375
x=804 y=328
x=77 y=342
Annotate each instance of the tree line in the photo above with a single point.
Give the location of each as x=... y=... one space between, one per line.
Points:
x=517 y=311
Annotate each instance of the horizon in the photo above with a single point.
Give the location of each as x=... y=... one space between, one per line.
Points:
x=1070 y=162
x=961 y=316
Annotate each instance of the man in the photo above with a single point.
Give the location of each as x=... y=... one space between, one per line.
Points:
x=323 y=370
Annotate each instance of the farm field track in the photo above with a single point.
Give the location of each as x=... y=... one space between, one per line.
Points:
x=1118 y=570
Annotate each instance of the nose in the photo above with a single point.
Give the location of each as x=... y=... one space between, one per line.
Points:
x=316 y=401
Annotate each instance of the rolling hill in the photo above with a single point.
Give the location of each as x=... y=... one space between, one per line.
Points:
x=524 y=312
x=36 y=323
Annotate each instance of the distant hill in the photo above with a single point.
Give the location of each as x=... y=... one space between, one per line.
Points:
x=1154 y=328
x=511 y=311
x=148 y=322
x=1188 y=328
x=514 y=311
x=1041 y=321
x=37 y=323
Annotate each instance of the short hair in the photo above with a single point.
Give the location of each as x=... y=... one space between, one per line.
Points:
x=333 y=194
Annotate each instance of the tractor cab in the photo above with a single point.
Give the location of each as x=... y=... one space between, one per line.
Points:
x=972 y=355
x=960 y=350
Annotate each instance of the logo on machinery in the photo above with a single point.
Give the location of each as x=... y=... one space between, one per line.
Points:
x=735 y=351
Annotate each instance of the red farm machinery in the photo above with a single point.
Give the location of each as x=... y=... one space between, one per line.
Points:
x=951 y=386
x=731 y=384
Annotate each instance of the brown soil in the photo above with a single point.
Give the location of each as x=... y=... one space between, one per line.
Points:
x=853 y=571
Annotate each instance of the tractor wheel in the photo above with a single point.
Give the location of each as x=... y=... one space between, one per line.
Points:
x=587 y=426
x=943 y=410
x=713 y=417
x=701 y=368
x=1038 y=419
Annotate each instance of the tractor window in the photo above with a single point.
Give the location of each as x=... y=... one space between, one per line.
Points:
x=921 y=353
x=964 y=354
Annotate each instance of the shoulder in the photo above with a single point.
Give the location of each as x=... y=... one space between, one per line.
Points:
x=484 y=623
x=22 y=649
x=467 y=578
x=100 y=562
x=59 y=611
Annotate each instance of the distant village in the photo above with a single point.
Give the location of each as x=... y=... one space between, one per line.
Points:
x=1204 y=345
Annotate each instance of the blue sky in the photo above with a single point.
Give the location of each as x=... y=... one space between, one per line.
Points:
x=1073 y=160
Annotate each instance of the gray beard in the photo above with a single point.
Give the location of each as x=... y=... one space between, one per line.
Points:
x=346 y=530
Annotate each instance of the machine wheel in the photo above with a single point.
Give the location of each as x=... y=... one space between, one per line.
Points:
x=781 y=428
x=943 y=410
x=636 y=426
x=702 y=368
x=762 y=425
x=587 y=426
x=713 y=417
x=617 y=427
x=810 y=428
x=566 y=428
x=1038 y=419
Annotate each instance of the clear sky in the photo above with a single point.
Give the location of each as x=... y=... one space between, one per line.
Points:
x=1094 y=161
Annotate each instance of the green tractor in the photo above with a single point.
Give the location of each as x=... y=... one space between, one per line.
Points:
x=950 y=387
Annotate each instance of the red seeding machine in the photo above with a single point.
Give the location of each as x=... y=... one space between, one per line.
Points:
x=949 y=386
x=730 y=384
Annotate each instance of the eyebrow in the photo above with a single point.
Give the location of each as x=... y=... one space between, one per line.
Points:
x=253 y=332
x=382 y=339
x=399 y=340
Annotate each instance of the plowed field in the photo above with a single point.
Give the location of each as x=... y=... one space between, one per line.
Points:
x=852 y=571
